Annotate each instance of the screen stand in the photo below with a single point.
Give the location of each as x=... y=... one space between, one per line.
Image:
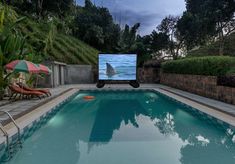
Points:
x=100 y=84
x=134 y=84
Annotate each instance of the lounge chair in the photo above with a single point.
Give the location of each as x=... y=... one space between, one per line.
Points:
x=20 y=91
x=25 y=87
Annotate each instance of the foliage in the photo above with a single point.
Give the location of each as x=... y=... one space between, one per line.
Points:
x=174 y=43
x=165 y=41
x=206 y=20
x=159 y=41
x=64 y=48
x=128 y=39
x=50 y=37
x=24 y=38
x=203 y=22
x=43 y=8
x=92 y=24
x=143 y=49
x=95 y=26
x=210 y=66
x=213 y=48
x=12 y=43
x=228 y=81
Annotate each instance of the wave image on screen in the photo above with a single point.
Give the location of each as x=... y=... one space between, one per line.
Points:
x=117 y=67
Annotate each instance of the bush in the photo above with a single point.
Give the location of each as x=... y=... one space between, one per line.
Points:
x=210 y=66
x=228 y=81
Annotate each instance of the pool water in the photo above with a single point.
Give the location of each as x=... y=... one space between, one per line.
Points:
x=128 y=127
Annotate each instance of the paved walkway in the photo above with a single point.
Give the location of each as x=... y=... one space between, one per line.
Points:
x=19 y=108
x=218 y=105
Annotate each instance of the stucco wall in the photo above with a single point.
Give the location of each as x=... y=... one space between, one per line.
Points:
x=56 y=78
x=79 y=74
x=201 y=85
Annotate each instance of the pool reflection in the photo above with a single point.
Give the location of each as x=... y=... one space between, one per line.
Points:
x=111 y=114
x=129 y=128
x=122 y=120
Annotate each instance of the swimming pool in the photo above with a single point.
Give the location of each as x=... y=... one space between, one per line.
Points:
x=128 y=127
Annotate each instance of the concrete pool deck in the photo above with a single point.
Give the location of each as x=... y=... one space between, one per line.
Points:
x=27 y=111
x=20 y=107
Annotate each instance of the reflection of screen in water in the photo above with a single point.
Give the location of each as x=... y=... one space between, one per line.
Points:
x=117 y=67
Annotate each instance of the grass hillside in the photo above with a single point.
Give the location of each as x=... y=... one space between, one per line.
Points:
x=213 y=49
x=64 y=48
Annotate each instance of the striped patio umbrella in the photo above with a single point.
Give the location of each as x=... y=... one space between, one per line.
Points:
x=44 y=69
x=22 y=66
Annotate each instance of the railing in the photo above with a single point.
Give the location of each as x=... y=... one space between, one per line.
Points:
x=8 y=146
x=7 y=139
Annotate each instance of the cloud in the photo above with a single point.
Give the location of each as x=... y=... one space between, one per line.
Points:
x=148 y=13
x=148 y=21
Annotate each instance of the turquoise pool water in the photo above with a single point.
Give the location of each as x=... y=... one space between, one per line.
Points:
x=128 y=127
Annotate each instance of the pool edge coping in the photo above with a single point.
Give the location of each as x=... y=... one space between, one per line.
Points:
x=201 y=107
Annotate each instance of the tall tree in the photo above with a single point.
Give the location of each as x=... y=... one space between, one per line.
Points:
x=91 y=17
x=159 y=43
x=168 y=27
x=222 y=12
x=128 y=38
x=88 y=4
x=206 y=20
x=43 y=7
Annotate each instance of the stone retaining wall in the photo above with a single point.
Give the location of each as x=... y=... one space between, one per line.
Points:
x=148 y=75
x=201 y=85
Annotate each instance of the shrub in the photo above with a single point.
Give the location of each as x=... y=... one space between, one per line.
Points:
x=210 y=66
x=226 y=81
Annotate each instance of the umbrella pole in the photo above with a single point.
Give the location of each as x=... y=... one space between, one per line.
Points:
x=21 y=78
x=37 y=81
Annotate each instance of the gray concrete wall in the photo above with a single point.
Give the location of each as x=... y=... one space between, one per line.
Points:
x=56 y=78
x=62 y=75
x=79 y=74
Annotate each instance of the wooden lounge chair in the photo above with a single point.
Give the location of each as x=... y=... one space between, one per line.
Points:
x=20 y=91
x=25 y=87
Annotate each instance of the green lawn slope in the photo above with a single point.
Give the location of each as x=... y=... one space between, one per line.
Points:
x=65 y=48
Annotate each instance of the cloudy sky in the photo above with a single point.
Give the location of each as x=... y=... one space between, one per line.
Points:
x=147 y=12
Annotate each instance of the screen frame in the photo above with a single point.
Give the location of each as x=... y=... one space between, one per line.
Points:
x=109 y=80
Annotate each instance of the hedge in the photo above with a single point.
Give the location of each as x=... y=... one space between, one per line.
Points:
x=209 y=66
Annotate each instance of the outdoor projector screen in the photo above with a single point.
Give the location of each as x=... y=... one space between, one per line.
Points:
x=117 y=67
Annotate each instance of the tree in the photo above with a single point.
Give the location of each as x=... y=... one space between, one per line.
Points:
x=12 y=43
x=92 y=17
x=39 y=7
x=223 y=16
x=128 y=38
x=94 y=36
x=159 y=43
x=88 y=4
x=168 y=27
x=43 y=7
x=206 y=20
x=59 y=7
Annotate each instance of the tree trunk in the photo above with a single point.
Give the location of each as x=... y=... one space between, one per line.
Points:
x=221 y=40
x=1 y=84
x=39 y=7
x=221 y=47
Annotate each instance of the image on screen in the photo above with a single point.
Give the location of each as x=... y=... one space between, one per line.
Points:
x=117 y=67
